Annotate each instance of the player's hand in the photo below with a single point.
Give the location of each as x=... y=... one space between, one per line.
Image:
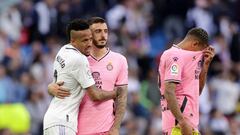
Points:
x=186 y=129
x=208 y=54
x=56 y=90
x=113 y=131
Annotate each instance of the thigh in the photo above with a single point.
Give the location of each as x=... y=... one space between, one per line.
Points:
x=167 y=132
x=59 y=130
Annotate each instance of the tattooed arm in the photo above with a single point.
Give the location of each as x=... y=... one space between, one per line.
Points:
x=172 y=104
x=121 y=102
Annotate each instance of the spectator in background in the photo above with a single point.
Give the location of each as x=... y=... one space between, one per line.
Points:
x=26 y=9
x=222 y=51
x=218 y=123
x=44 y=17
x=227 y=93
x=11 y=23
x=234 y=47
x=205 y=106
x=127 y=15
x=34 y=106
x=63 y=17
x=156 y=121
x=3 y=44
x=142 y=115
x=5 y=131
x=198 y=13
x=3 y=84
x=149 y=92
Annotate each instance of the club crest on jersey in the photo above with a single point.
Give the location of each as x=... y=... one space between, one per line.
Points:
x=109 y=66
x=174 y=69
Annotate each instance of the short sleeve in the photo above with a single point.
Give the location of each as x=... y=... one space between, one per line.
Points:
x=173 y=69
x=82 y=73
x=122 y=78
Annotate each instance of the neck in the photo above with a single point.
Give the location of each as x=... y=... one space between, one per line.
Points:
x=184 y=45
x=71 y=43
x=98 y=52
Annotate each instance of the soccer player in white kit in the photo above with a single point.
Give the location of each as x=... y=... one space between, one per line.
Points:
x=71 y=65
x=109 y=70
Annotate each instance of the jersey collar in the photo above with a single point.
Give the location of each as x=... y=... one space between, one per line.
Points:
x=69 y=46
x=176 y=46
x=101 y=57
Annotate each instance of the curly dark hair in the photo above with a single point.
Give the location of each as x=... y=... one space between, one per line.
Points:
x=200 y=34
x=93 y=20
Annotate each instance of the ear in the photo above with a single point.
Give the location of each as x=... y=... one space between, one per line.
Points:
x=195 y=44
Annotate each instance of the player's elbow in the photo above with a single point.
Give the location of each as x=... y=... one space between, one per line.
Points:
x=93 y=93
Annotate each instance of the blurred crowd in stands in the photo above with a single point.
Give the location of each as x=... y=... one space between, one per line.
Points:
x=32 y=31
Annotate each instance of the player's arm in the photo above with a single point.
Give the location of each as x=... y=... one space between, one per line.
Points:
x=170 y=96
x=121 y=103
x=208 y=55
x=172 y=103
x=56 y=89
x=82 y=73
x=202 y=79
x=121 y=99
x=97 y=94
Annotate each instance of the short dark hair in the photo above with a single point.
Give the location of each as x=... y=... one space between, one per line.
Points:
x=200 y=34
x=93 y=20
x=76 y=24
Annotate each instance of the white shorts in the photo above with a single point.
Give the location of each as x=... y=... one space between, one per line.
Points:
x=59 y=130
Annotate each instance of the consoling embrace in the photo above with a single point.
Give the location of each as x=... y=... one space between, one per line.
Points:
x=89 y=65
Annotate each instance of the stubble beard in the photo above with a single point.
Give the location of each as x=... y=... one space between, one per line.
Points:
x=98 y=45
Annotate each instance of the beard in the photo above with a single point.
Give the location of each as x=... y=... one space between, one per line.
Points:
x=99 y=46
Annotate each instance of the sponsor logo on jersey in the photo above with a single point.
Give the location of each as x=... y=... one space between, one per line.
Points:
x=174 y=69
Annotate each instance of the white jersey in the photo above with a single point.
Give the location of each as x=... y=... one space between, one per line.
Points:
x=72 y=67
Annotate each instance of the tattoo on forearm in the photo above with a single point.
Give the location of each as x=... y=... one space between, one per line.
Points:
x=121 y=102
x=172 y=101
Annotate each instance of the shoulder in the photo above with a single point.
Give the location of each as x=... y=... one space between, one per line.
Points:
x=71 y=56
x=77 y=60
x=171 y=54
x=170 y=51
x=117 y=56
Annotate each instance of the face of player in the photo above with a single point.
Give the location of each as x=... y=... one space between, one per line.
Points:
x=83 y=41
x=100 y=34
